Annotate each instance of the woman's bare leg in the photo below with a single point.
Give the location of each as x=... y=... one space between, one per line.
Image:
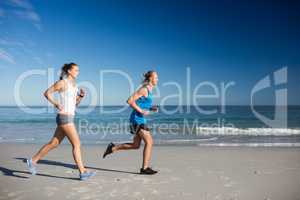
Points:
x=147 y=138
x=126 y=146
x=55 y=141
x=71 y=133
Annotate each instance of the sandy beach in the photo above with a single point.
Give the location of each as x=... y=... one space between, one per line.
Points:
x=185 y=172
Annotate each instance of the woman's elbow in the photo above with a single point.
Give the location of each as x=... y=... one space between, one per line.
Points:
x=129 y=101
x=46 y=94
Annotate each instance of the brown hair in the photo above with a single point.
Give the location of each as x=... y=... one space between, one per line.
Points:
x=65 y=68
x=147 y=76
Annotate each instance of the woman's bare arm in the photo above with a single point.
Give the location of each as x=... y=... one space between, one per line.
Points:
x=57 y=86
x=79 y=98
x=131 y=100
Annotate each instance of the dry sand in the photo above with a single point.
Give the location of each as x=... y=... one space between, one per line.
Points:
x=185 y=172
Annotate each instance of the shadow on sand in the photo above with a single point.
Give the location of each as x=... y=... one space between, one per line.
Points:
x=15 y=173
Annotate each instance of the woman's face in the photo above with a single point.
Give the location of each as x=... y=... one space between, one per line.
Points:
x=154 y=79
x=74 y=71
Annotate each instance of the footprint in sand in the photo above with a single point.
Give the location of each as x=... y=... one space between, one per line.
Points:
x=224 y=178
x=227 y=181
x=143 y=179
x=229 y=184
x=155 y=192
x=165 y=170
x=87 y=197
x=215 y=172
x=123 y=180
x=50 y=191
x=197 y=173
x=70 y=171
x=81 y=189
x=15 y=194
x=175 y=179
x=136 y=194
x=113 y=193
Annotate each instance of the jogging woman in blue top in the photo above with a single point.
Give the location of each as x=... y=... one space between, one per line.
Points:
x=141 y=102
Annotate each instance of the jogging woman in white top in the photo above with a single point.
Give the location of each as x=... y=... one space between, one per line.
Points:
x=69 y=99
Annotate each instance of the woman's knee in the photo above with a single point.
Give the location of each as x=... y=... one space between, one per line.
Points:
x=149 y=142
x=136 y=145
x=148 y=138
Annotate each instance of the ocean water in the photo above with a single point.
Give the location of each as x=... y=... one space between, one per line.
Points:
x=172 y=125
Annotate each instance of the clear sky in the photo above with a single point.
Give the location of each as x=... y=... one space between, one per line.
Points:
x=220 y=41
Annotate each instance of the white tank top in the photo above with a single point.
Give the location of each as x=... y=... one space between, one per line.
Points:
x=68 y=98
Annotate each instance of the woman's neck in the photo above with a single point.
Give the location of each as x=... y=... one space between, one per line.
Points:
x=70 y=78
x=150 y=86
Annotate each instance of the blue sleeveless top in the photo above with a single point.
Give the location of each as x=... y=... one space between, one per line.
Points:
x=144 y=103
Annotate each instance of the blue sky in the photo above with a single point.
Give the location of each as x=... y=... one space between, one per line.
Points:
x=220 y=41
